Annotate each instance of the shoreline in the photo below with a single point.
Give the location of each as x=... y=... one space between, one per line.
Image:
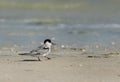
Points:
x=65 y=66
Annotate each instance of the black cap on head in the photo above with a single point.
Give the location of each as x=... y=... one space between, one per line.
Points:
x=47 y=40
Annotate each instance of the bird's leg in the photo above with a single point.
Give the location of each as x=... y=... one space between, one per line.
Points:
x=47 y=57
x=39 y=59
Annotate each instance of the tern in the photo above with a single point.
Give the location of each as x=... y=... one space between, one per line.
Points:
x=42 y=50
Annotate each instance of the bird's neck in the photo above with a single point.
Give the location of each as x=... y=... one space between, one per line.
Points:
x=48 y=45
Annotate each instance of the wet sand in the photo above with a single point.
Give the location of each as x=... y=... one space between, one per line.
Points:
x=65 y=66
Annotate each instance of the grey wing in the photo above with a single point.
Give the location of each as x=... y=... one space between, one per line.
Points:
x=39 y=51
x=36 y=50
x=42 y=51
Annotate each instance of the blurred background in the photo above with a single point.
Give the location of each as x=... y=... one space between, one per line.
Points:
x=90 y=24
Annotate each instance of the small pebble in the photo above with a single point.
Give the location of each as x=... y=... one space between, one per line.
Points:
x=80 y=65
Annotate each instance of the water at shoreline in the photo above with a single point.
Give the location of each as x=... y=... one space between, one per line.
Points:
x=73 y=24
x=95 y=36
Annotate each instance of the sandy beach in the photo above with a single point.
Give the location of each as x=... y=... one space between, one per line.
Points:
x=86 y=34
x=65 y=66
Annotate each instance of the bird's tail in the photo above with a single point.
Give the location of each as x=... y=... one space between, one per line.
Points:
x=24 y=54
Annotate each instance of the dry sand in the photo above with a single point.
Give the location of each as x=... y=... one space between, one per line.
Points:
x=65 y=66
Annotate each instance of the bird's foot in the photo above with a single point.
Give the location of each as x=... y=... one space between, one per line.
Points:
x=47 y=57
x=39 y=59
